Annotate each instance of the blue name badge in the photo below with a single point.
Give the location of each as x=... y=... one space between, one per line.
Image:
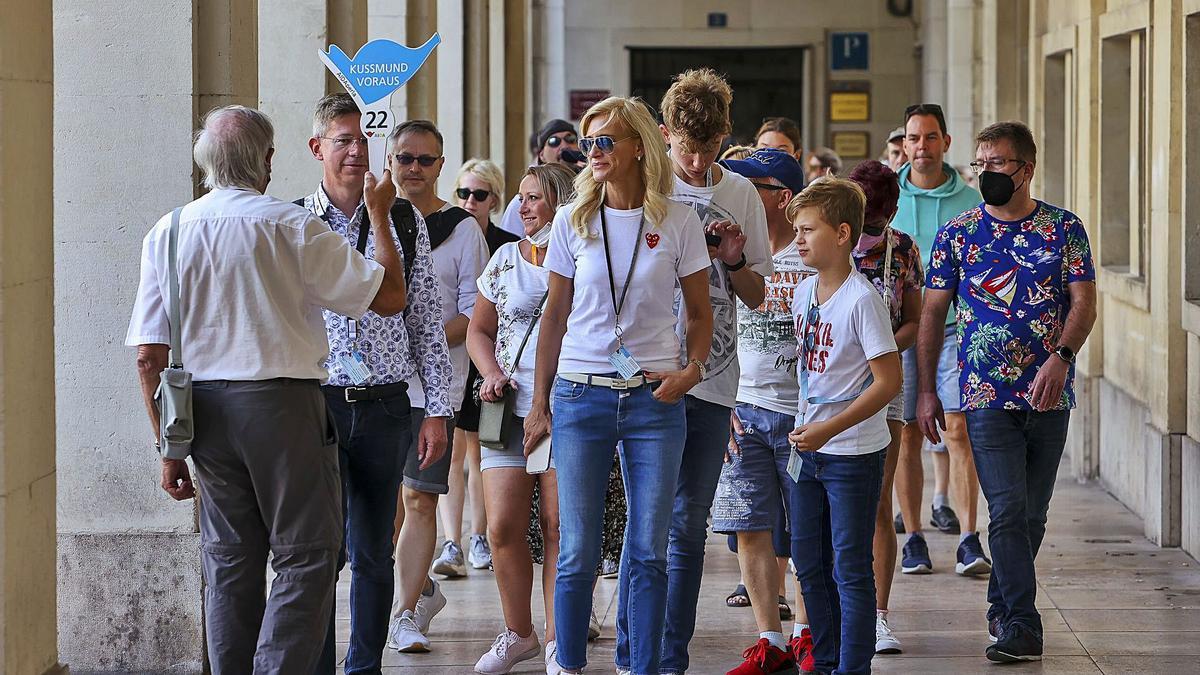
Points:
x=623 y=361
x=377 y=70
x=355 y=367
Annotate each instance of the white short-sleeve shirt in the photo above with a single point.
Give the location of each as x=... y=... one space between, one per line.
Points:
x=852 y=329
x=254 y=274
x=667 y=251
x=516 y=287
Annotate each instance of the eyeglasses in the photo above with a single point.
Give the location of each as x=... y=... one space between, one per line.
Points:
x=555 y=141
x=768 y=186
x=994 y=165
x=606 y=144
x=406 y=159
x=479 y=195
x=343 y=142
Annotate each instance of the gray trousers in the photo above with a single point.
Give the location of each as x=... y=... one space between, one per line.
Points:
x=266 y=461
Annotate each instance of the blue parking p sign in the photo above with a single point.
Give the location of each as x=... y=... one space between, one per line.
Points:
x=848 y=51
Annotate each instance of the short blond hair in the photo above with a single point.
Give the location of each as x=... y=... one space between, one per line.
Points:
x=696 y=108
x=836 y=200
x=737 y=152
x=486 y=171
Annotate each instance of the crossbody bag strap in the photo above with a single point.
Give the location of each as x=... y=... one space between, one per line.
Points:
x=537 y=314
x=173 y=290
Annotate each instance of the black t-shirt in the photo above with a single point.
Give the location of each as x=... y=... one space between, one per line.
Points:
x=497 y=237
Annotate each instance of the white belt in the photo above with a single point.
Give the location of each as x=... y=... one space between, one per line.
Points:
x=600 y=381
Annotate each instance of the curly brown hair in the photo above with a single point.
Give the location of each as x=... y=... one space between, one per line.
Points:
x=696 y=108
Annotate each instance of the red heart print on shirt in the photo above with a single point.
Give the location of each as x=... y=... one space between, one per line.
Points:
x=652 y=239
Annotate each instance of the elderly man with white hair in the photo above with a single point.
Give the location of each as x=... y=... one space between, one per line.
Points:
x=254 y=273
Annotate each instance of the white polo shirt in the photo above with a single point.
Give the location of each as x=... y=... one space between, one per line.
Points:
x=254 y=274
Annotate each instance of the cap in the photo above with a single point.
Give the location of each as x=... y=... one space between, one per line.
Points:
x=896 y=135
x=554 y=126
x=770 y=163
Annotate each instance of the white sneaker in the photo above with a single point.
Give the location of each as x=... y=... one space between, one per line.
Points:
x=508 y=650
x=552 y=667
x=404 y=636
x=885 y=640
x=593 y=627
x=428 y=605
x=450 y=563
x=480 y=554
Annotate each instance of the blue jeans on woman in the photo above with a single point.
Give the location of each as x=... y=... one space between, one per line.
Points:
x=832 y=511
x=1017 y=453
x=588 y=422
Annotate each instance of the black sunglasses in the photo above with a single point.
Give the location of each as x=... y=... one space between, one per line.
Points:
x=406 y=159
x=555 y=141
x=606 y=144
x=479 y=195
x=768 y=186
x=810 y=328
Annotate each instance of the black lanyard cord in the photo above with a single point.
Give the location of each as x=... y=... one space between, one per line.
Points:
x=612 y=283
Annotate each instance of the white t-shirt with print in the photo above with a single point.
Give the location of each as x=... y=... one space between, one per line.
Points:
x=458 y=261
x=667 y=252
x=852 y=329
x=516 y=287
x=732 y=198
x=766 y=339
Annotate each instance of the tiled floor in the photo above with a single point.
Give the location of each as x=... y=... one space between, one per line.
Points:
x=1111 y=602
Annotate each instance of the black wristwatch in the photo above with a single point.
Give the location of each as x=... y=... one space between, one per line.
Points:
x=1065 y=353
x=736 y=266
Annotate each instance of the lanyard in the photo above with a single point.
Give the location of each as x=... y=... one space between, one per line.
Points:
x=612 y=283
x=887 y=271
x=812 y=300
x=364 y=224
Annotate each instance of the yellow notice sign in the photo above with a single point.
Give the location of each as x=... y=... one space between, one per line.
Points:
x=849 y=106
x=851 y=144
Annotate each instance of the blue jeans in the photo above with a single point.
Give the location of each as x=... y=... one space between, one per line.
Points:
x=1017 y=453
x=695 y=485
x=833 y=514
x=588 y=422
x=373 y=436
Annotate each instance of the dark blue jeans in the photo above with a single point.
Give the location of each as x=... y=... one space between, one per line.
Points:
x=833 y=514
x=1017 y=453
x=373 y=437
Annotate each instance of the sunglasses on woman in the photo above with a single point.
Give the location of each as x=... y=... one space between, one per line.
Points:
x=606 y=143
x=406 y=159
x=555 y=141
x=479 y=195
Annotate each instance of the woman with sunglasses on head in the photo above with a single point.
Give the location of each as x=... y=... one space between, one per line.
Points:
x=477 y=189
x=608 y=331
x=501 y=339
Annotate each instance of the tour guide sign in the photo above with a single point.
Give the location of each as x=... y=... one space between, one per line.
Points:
x=378 y=69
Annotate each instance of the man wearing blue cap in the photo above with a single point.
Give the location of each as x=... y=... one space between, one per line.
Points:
x=754 y=484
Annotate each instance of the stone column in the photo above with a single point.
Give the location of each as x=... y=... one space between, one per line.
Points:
x=132 y=79
x=27 y=466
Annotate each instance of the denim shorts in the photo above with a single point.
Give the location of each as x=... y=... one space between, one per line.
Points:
x=947 y=377
x=752 y=489
x=513 y=454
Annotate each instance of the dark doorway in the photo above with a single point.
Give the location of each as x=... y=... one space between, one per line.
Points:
x=766 y=81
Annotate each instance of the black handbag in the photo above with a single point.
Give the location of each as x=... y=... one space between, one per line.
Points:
x=496 y=418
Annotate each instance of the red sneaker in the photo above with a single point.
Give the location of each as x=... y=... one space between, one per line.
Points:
x=763 y=658
x=801 y=648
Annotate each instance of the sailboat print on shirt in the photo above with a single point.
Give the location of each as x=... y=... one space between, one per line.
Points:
x=996 y=290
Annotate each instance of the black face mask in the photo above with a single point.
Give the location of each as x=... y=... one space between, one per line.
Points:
x=997 y=188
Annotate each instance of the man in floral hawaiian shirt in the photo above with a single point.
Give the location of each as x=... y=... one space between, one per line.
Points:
x=1022 y=273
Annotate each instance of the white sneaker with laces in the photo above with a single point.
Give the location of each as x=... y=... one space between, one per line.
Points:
x=450 y=563
x=593 y=626
x=480 y=553
x=508 y=650
x=404 y=636
x=886 y=641
x=428 y=605
x=552 y=667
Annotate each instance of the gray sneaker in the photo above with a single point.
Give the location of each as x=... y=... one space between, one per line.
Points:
x=450 y=563
x=429 y=603
x=480 y=554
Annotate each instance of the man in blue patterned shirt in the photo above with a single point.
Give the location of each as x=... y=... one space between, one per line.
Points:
x=370 y=358
x=1022 y=272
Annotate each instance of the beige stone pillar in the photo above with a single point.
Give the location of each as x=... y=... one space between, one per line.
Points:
x=130 y=82
x=27 y=466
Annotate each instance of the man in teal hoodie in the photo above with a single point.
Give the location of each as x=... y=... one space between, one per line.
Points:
x=931 y=193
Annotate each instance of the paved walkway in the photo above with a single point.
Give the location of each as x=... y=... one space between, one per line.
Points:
x=1111 y=602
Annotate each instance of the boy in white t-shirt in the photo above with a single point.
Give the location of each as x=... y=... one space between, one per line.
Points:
x=849 y=370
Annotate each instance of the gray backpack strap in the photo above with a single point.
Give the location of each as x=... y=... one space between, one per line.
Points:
x=173 y=286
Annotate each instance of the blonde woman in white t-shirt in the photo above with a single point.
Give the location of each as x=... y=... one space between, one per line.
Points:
x=608 y=331
x=502 y=341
